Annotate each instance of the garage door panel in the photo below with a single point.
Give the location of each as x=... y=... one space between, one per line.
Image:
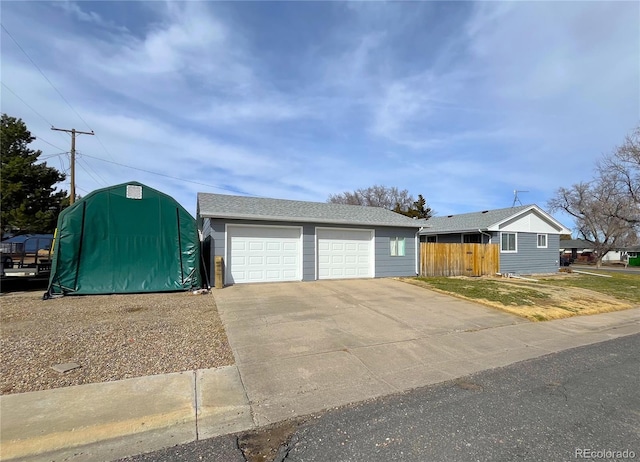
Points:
x=274 y=246
x=263 y=254
x=344 y=253
x=256 y=260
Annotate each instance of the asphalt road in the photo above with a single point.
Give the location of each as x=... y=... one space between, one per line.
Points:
x=614 y=269
x=584 y=399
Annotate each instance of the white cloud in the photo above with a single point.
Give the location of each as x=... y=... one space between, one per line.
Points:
x=73 y=8
x=462 y=112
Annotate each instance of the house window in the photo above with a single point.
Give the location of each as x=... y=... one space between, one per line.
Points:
x=471 y=239
x=397 y=246
x=508 y=243
x=542 y=241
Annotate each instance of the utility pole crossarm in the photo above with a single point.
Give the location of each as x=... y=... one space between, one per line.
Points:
x=74 y=132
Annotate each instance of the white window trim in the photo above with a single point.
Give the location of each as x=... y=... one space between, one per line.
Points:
x=516 y=242
x=397 y=240
x=546 y=241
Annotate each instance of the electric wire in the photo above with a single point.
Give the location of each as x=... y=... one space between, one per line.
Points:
x=39 y=138
x=80 y=161
x=49 y=156
x=170 y=176
x=45 y=77
x=79 y=164
x=26 y=104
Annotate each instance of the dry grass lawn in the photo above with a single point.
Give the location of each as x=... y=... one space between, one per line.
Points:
x=554 y=297
x=111 y=337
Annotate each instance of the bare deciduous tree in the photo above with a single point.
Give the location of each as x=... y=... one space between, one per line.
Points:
x=375 y=196
x=607 y=208
x=622 y=170
x=595 y=209
x=400 y=201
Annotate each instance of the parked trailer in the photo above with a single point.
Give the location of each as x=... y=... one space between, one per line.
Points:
x=27 y=256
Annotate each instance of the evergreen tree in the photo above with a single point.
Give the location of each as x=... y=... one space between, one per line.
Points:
x=29 y=202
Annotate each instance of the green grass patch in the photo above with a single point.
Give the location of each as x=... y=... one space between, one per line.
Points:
x=619 y=285
x=487 y=290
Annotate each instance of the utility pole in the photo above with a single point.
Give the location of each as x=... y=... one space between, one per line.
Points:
x=73 y=132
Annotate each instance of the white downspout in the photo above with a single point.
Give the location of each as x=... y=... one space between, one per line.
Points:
x=418 y=250
x=486 y=234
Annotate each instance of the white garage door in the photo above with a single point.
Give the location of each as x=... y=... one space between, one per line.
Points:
x=263 y=254
x=345 y=253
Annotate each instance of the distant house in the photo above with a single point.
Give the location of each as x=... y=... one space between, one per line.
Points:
x=627 y=255
x=572 y=250
x=633 y=255
x=271 y=240
x=528 y=236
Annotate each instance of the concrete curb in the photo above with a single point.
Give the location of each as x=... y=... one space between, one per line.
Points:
x=105 y=421
x=110 y=420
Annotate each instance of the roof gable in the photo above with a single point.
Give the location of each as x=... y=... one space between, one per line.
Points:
x=526 y=218
x=259 y=208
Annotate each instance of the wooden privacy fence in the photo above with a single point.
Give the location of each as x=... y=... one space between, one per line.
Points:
x=458 y=259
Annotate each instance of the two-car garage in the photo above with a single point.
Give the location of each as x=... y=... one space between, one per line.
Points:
x=274 y=253
x=270 y=240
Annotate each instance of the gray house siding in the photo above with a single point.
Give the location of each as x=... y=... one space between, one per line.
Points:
x=385 y=264
x=529 y=259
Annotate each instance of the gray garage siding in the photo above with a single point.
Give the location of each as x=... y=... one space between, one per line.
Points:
x=388 y=266
x=529 y=259
x=385 y=265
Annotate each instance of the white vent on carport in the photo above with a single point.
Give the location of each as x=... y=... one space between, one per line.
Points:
x=134 y=191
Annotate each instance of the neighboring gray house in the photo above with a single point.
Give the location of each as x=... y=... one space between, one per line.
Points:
x=528 y=236
x=571 y=249
x=264 y=240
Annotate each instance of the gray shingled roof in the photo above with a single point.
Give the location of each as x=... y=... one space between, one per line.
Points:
x=470 y=221
x=258 y=208
x=575 y=244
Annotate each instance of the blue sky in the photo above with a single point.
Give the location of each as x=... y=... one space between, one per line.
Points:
x=460 y=102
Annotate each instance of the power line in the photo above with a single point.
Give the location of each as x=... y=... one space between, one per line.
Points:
x=29 y=106
x=49 y=156
x=25 y=103
x=104 y=147
x=45 y=77
x=102 y=180
x=39 y=138
x=168 y=176
x=87 y=172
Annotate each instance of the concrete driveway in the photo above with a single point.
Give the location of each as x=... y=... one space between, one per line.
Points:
x=303 y=347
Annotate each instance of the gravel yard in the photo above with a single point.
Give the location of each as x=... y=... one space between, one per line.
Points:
x=112 y=337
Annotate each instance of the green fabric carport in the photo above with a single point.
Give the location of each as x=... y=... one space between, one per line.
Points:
x=127 y=238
